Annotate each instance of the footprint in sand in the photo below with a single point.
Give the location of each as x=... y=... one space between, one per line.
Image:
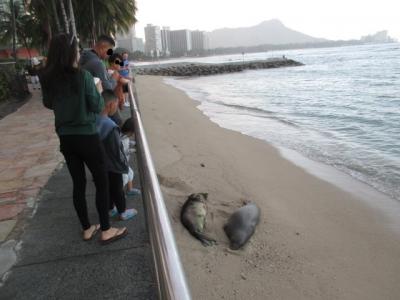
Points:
x=223 y=213
x=173 y=182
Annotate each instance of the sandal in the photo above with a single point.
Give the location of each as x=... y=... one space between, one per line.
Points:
x=119 y=233
x=95 y=230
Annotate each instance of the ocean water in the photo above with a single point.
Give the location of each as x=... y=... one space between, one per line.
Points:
x=341 y=109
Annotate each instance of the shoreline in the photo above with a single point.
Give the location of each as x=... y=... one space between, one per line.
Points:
x=365 y=192
x=314 y=240
x=382 y=201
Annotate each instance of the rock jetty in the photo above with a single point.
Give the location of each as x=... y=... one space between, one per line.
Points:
x=202 y=69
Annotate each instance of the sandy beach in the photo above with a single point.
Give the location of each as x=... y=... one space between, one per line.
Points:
x=314 y=240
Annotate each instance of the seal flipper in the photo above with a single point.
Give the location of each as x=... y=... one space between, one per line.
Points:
x=205 y=240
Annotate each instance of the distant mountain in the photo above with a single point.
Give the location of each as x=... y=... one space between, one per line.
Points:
x=271 y=32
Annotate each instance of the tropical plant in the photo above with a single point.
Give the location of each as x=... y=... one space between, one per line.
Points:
x=64 y=15
x=45 y=20
x=104 y=17
x=24 y=26
x=4 y=86
x=55 y=15
x=72 y=18
x=87 y=19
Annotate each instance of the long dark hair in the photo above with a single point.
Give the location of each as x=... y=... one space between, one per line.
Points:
x=60 y=71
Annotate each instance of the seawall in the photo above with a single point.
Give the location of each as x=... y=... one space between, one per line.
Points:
x=203 y=69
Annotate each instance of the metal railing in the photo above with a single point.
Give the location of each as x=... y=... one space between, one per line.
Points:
x=170 y=276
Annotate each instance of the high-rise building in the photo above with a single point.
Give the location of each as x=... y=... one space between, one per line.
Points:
x=153 y=45
x=126 y=41
x=166 y=41
x=181 y=42
x=198 y=42
x=206 y=41
x=138 y=45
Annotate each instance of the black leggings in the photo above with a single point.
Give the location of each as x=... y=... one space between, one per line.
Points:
x=117 y=195
x=81 y=150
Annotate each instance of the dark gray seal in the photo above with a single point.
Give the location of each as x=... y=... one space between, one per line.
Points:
x=193 y=217
x=241 y=225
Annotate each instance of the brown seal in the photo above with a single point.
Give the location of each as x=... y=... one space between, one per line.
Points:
x=193 y=217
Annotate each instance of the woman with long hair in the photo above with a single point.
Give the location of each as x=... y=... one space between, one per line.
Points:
x=71 y=93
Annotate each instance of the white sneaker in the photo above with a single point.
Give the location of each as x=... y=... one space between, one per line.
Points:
x=127 y=104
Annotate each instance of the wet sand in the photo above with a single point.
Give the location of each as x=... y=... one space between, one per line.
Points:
x=314 y=240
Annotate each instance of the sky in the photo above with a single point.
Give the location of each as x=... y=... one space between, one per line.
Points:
x=339 y=19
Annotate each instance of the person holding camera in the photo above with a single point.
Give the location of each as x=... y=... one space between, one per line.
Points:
x=92 y=60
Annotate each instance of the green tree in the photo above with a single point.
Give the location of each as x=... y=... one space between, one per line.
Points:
x=24 y=26
x=46 y=17
x=55 y=15
x=104 y=16
x=64 y=15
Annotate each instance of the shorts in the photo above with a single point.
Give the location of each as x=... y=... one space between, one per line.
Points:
x=128 y=177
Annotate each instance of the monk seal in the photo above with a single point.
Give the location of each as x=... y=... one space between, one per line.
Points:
x=241 y=225
x=193 y=217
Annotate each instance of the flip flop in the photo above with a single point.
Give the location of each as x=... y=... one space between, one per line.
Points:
x=114 y=238
x=96 y=229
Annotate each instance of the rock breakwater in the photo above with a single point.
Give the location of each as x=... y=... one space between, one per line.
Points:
x=203 y=69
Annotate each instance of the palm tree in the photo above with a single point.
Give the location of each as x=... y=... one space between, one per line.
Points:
x=13 y=19
x=103 y=16
x=106 y=17
x=55 y=15
x=45 y=19
x=72 y=18
x=64 y=14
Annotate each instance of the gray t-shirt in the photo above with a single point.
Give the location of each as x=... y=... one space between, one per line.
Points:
x=92 y=63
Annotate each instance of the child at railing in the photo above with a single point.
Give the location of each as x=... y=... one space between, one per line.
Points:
x=115 y=159
x=115 y=64
x=127 y=131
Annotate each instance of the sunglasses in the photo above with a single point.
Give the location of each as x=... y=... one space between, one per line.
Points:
x=118 y=62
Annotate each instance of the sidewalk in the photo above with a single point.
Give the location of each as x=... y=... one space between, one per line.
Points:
x=28 y=156
x=52 y=261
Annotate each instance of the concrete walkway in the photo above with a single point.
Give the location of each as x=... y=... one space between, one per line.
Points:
x=43 y=256
x=54 y=262
x=28 y=156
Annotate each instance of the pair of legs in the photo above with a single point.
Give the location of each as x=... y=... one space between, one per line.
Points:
x=128 y=182
x=117 y=196
x=130 y=190
x=35 y=82
x=81 y=150
x=125 y=90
